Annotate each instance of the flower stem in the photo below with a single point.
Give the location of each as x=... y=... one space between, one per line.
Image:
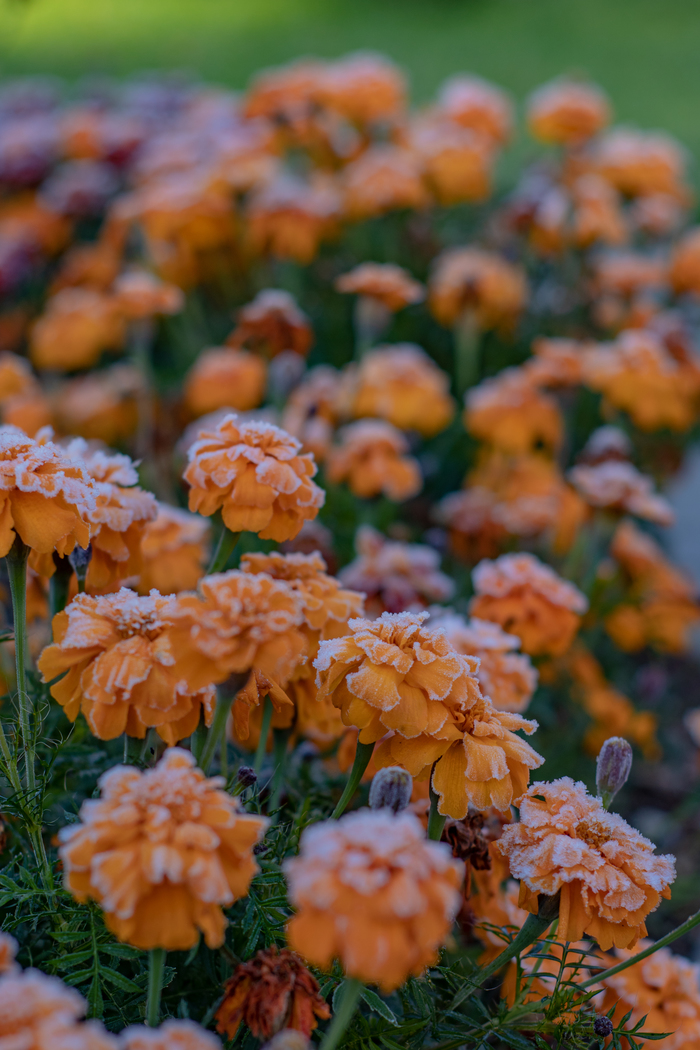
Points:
x=436 y=821
x=348 y=998
x=633 y=960
x=156 y=966
x=362 y=757
x=467 y=346
x=17 y=573
x=280 y=739
x=264 y=731
x=224 y=549
x=216 y=729
x=59 y=585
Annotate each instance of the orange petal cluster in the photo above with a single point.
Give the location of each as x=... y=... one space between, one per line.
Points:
x=77 y=326
x=162 y=852
x=171 y=1035
x=567 y=113
x=223 y=377
x=272 y=323
x=312 y=409
x=608 y=874
x=384 y=178
x=372 y=458
x=174 y=550
x=391 y=285
x=370 y=891
x=481 y=283
x=404 y=386
x=618 y=485
x=511 y=414
x=38 y=1012
x=100 y=406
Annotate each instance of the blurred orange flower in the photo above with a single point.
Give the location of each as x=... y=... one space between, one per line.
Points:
x=222 y=377
x=493 y=290
x=170 y=1035
x=640 y=163
x=372 y=458
x=140 y=295
x=403 y=385
x=288 y=218
x=457 y=161
x=162 y=852
x=365 y=88
x=617 y=485
x=512 y=414
x=684 y=270
x=476 y=104
x=390 y=285
x=567 y=112
x=76 y=327
x=312 y=410
x=272 y=323
x=174 y=550
x=384 y=178
x=101 y=406
x=38 y=1011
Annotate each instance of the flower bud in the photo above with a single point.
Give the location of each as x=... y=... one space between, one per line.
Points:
x=391 y=787
x=80 y=560
x=612 y=768
x=602 y=1025
x=246 y=776
x=288 y=1039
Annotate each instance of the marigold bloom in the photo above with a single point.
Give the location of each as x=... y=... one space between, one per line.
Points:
x=174 y=550
x=312 y=409
x=640 y=163
x=395 y=577
x=38 y=1011
x=372 y=892
x=272 y=323
x=403 y=385
x=15 y=376
x=663 y=990
x=567 y=113
x=222 y=377
x=528 y=599
x=684 y=272
x=271 y=991
x=288 y=218
x=512 y=414
x=384 y=178
x=76 y=327
x=255 y=474
x=120 y=666
x=46 y=498
x=476 y=104
x=139 y=295
x=457 y=161
x=481 y=282
x=100 y=406
x=162 y=851
x=171 y=1035
x=609 y=877
x=372 y=458
x=390 y=285
x=364 y=87
x=618 y=485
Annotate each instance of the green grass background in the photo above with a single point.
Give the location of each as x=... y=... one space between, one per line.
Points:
x=645 y=52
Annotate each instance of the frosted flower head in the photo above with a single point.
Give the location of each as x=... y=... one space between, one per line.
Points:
x=512 y=414
x=479 y=105
x=481 y=282
x=389 y=284
x=171 y=1035
x=618 y=485
x=567 y=112
x=372 y=457
x=41 y=1011
x=404 y=386
x=174 y=548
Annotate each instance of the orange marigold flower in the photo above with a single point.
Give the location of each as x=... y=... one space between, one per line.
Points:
x=403 y=385
x=639 y=163
x=607 y=873
x=457 y=161
x=174 y=550
x=271 y=991
x=162 y=852
x=512 y=414
x=38 y=1011
x=47 y=499
x=100 y=406
x=312 y=408
x=372 y=457
x=372 y=892
x=30 y=412
x=556 y=362
x=171 y=1035
x=618 y=485
x=395 y=577
x=476 y=104
x=272 y=323
x=684 y=272
x=506 y=677
x=288 y=218
x=121 y=668
x=390 y=285
x=16 y=376
x=365 y=88
x=76 y=327
x=528 y=599
x=253 y=471
x=384 y=178
x=493 y=290
x=139 y=295
x=8 y=952
x=567 y=113
x=222 y=377
x=662 y=990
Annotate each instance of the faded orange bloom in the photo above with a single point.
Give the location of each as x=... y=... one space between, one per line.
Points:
x=507 y=678
x=567 y=112
x=390 y=285
x=171 y=1035
x=493 y=290
x=30 y=412
x=597 y=214
x=512 y=414
x=121 y=668
x=365 y=88
x=288 y=218
x=139 y=295
x=254 y=473
x=384 y=178
x=627 y=287
x=312 y=410
x=639 y=375
x=476 y=104
x=401 y=384
x=528 y=599
x=222 y=377
x=609 y=877
x=45 y=498
x=663 y=990
x=174 y=551
x=37 y=1012
x=457 y=161
x=101 y=406
x=272 y=323
x=618 y=485
x=16 y=376
x=370 y=891
x=372 y=458
x=95 y=265
x=684 y=271
x=76 y=327
x=162 y=852
x=556 y=362
x=640 y=163
x=271 y=991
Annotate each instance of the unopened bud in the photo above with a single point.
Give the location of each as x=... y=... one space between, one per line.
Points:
x=288 y=1039
x=602 y=1025
x=612 y=768
x=391 y=787
x=79 y=558
x=246 y=776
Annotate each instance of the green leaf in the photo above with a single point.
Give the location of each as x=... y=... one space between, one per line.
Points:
x=378 y=1005
x=118 y=979
x=514 y=1039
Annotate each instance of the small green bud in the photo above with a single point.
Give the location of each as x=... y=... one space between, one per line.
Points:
x=612 y=768
x=391 y=787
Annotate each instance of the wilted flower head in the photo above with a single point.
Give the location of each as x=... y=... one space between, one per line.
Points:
x=372 y=458
x=76 y=327
x=493 y=290
x=391 y=285
x=171 y=1035
x=607 y=873
x=162 y=851
x=512 y=414
x=618 y=485
x=272 y=991
x=222 y=377
x=384 y=178
x=255 y=474
x=528 y=599
x=173 y=551
x=372 y=892
x=272 y=323
x=404 y=386
x=476 y=104
x=567 y=112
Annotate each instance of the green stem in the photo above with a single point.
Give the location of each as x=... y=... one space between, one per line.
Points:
x=156 y=966
x=348 y=997
x=17 y=573
x=216 y=729
x=668 y=939
x=280 y=739
x=467 y=346
x=264 y=731
x=436 y=821
x=224 y=549
x=362 y=757
x=59 y=585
